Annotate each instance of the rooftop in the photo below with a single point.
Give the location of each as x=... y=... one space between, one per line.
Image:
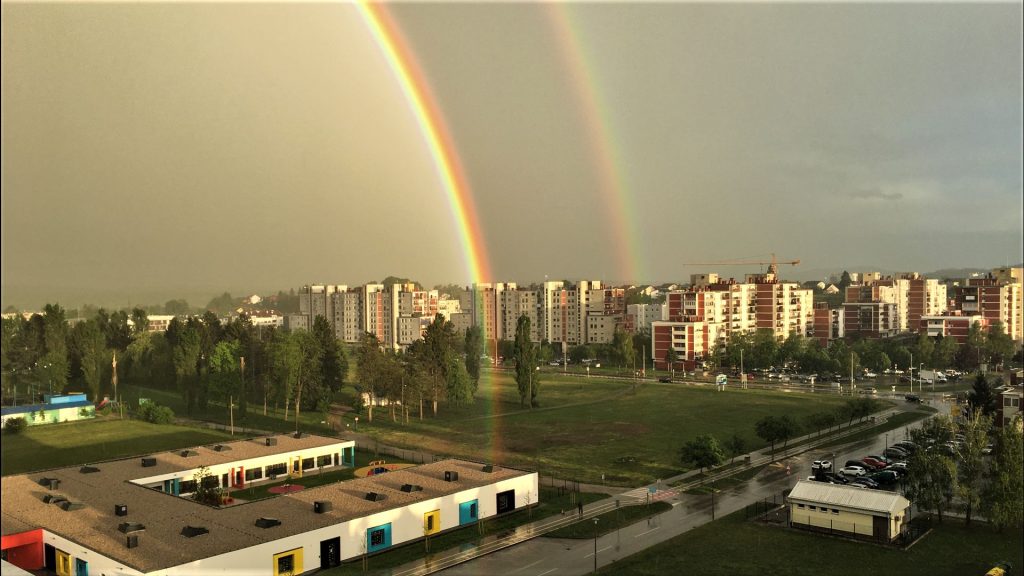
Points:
x=848 y=497
x=162 y=545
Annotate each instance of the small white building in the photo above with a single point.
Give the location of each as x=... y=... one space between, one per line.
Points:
x=859 y=512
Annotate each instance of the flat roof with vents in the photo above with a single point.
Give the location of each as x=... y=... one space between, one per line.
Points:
x=232 y=528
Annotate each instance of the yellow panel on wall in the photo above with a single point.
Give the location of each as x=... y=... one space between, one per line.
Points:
x=288 y=563
x=432 y=522
x=63 y=563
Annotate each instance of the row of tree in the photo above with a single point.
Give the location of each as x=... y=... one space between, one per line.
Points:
x=760 y=349
x=706 y=451
x=950 y=471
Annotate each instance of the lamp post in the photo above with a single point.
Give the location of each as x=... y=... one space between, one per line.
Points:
x=595 y=545
x=357 y=423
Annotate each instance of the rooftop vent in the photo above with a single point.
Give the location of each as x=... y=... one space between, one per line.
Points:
x=133 y=541
x=221 y=448
x=488 y=468
x=53 y=499
x=271 y=441
x=130 y=527
x=68 y=506
x=451 y=476
x=88 y=469
x=321 y=506
x=187 y=453
x=120 y=509
x=51 y=483
x=411 y=488
x=193 y=531
x=267 y=522
x=376 y=496
x=148 y=462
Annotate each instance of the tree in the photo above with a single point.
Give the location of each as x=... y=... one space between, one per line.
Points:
x=703 y=452
x=924 y=350
x=223 y=304
x=225 y=371
x=474 y=350
x=671 y=357
x=333 y=363
x=206 y=492
x=89 y=345
x=622 y=349
x=55 y=350
x=1003 y=503
x=526 y=369
x=140 y=320
x=976 y=343
x=982 y=396
x=370 y=369
x=186 y=352
x=844 y=282
x=945 y=352
x=969 y=465
x=736 y=445
x=932 y=474
x=177 y=308
x=459 y=383
x=998 y=343
x=769 y=429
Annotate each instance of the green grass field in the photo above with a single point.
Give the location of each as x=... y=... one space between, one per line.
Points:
x=56 y=445
x=583 y=428
x=733 y=545
x=588 y=427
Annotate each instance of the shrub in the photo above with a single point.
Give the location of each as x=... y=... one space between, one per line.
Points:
x=15 y=425
x=154 y=414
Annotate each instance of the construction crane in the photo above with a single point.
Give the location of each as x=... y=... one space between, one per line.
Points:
x=774 y=263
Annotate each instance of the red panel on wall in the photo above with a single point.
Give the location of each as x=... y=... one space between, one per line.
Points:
x=24 y=550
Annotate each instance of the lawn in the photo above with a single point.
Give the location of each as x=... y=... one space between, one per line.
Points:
x=70 y=443
x=588 y=427
x=594 y=430
x=733 y=545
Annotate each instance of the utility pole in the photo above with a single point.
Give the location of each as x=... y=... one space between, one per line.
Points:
x=231 y=413
x=910 y=370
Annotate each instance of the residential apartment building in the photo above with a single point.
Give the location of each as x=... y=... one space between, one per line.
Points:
x=955 y=325
x=996 y=297
x=713 y=309
x=642 y=316
x=912 y=295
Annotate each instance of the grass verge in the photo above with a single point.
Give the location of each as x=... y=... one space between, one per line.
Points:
x=610 y=521
x=733 y=545
x=85 y=441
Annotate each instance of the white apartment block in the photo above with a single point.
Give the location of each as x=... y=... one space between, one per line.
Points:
x=646 y=314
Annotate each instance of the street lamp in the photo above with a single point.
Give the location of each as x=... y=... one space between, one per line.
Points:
x=595 y=545
x=357 y=423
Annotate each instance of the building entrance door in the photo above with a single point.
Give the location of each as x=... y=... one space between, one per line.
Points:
x=330 y=553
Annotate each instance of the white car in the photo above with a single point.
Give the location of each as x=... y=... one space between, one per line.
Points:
x=870 y=375
x=853 y=471
x=821 y=465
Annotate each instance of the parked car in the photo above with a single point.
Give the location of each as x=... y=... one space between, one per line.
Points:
x=880 y=458
x=870 y=374
x=824 y=465
x=900 y=466
x=868 y=390
x=912 y=398
x=988 y=449
x=904 y=378
x=906 y=446
x=866 y=482
x=837 y=479
x=853 y=471
x=874 y=463
x=665 y=379
x=895 y=453
x=885 y=477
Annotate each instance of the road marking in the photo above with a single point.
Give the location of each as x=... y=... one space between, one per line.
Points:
x=601 y=550
x=525 y=567
x=548 y=572
x=648 y=532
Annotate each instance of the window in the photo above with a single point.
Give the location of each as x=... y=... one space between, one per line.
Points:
x=307 y=463
x=834 y=511
x=506 y=501
x=288 y=563
x=187 y=487
x=275 y=469
x=800 y=506
x=378 y=538
x=253 y=474
x=323 y=460
x=813 y=507
x=210 y=482
x=468 y=512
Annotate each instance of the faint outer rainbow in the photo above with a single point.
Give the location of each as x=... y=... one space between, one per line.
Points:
x=428 y=115
x=417 y=91
x=619 y=210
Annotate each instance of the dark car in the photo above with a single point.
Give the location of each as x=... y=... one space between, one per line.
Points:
x=912 y=398
x=904 y=378
x=896 y=453
x=866 y=482
x=907 y=446
x=885 y=477
x=665 y=379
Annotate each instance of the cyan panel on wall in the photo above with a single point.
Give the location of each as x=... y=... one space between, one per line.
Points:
x=468 y=512
x=378 y=537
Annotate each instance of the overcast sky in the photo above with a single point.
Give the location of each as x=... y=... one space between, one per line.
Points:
x=158 y=149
